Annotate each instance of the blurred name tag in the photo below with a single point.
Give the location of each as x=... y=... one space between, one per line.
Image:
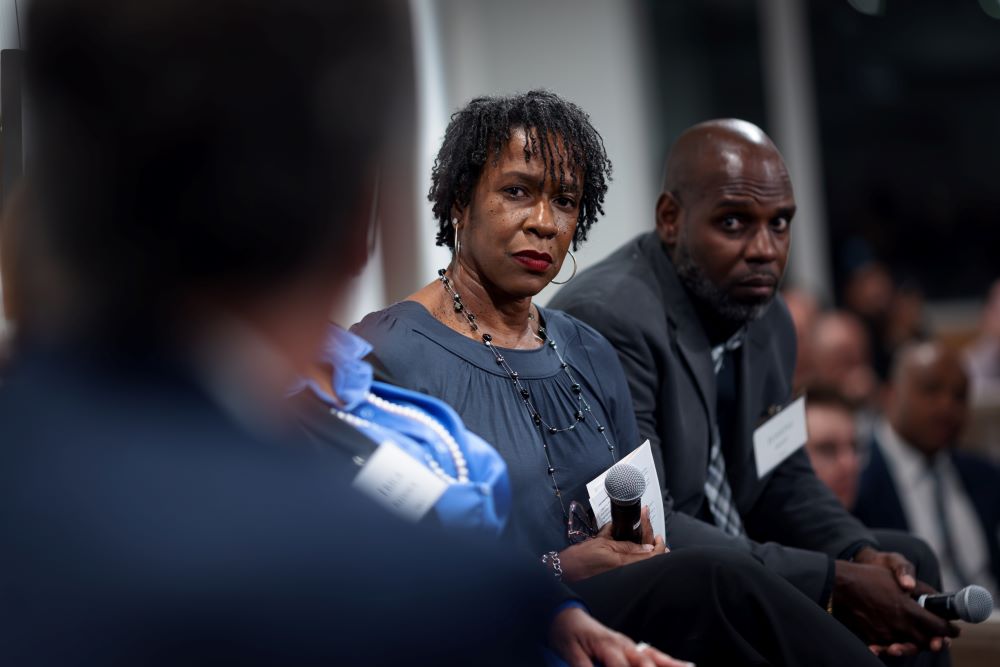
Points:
x=400 y=483
x=780 y=436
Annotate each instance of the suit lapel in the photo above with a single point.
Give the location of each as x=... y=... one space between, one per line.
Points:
x=686 y=329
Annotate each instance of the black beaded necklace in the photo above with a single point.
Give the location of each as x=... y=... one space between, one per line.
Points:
x=545 y=429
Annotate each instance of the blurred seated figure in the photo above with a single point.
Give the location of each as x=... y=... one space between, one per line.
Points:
x=905 y=320
x=804 y=308
x=342 y=389
x=917 y=480
x=833 y=442
x=982 y=359
x=841 y=357
x=202 y=172
x=868 y=291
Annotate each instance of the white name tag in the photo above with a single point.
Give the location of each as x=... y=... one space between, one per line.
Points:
x=780 y=436
x=400 y=483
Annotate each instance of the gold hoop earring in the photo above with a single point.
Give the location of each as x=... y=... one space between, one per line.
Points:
x=572 y=257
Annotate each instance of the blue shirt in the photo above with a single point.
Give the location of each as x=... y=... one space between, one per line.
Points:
x=484 y=502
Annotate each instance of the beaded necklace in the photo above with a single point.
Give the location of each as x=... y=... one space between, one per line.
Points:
x=545 y=429
x=454 y=451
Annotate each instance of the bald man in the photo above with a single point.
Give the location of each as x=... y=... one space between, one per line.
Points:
x=917 y=480
x=709 y=352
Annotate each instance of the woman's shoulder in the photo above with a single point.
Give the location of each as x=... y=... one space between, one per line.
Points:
x=410 y=344
x=568 y=330
x=399 y=318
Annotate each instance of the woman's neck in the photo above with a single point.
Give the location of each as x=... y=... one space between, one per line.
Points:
x=511 y=321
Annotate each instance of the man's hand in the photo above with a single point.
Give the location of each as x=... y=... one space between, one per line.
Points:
x=899 y=650
x=873 y=597
x=601 y=553
x=896 y=563
x=905 y=575
x=580 y=640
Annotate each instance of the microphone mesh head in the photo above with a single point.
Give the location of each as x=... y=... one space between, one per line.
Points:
x=974 y=604
x=625 y=483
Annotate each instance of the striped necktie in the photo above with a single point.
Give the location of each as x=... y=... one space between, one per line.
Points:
x=717 y=490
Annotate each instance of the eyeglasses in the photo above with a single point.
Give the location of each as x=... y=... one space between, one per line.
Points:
x=580 y=523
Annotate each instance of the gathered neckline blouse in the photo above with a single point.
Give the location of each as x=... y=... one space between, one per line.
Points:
x=423 y=354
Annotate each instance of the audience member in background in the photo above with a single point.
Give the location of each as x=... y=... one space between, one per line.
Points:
x=982 y=359
x=709 y=352
x=200 y=168
x=833 y=442
x=804 y=308
x=905 y=321
x=891 y=311
x=868 y=292
x=917 y=480
x=516 y=181
x=841 y=358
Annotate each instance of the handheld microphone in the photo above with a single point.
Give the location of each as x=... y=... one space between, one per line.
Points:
x=625 y=485
x=972 y=604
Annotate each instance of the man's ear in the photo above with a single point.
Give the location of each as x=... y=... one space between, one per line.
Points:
x=668 y=213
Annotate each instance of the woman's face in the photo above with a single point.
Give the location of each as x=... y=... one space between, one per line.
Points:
x=519 y=223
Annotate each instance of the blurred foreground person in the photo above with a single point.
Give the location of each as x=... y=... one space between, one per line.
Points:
x=35 y=290
x=916 y=478
x=708 y=348
x=516 y=182
x=8 y=263
x=199 y=167
x=833 y=442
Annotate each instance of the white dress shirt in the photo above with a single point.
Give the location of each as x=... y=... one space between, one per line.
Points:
x=914 y=480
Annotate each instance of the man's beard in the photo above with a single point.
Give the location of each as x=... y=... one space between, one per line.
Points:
x=713 y=296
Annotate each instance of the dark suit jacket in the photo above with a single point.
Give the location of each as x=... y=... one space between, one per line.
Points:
x=138 y=525
x=878 y=504
x=636 y=300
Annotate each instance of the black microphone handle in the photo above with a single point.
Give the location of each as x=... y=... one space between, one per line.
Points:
x=942 y=606
x=626 y=521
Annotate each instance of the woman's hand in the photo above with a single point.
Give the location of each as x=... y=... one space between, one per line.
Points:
x=581 y=640
x=602 y=554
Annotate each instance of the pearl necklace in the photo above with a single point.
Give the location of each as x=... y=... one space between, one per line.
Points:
x=457 y=457
x=583 y=408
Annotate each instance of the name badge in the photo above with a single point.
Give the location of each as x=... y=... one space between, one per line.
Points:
x=780 y=436
x=400 y=483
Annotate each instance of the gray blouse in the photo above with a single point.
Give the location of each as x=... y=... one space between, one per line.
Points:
x=423 y=354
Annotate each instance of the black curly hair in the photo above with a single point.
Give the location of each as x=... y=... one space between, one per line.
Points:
x=484 y=127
